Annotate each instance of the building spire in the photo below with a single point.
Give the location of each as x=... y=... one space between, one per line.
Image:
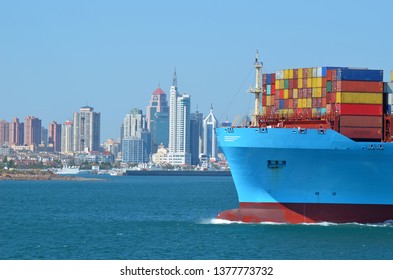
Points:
x=174 y=81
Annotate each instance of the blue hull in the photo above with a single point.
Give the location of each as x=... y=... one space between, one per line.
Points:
x=298 y=172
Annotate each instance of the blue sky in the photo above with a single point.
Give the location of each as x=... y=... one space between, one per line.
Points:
x=57 y=56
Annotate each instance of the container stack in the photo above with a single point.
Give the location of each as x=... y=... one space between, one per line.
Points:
x=359 y=102
x=354 y=95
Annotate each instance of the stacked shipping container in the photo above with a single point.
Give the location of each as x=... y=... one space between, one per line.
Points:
x=355 y=95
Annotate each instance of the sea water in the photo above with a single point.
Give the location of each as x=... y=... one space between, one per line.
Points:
x=153 y=218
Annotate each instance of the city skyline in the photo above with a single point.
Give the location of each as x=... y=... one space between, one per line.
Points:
x=111 y=56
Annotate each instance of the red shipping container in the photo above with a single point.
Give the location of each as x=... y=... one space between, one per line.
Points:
x=309 y=92
x=334 y=75
x=324 y=92
x=361 y=109
x=286 y=103
x=359 y=86
x=334 y=86
x=329 y=75
x=304 y=83
x=295 y=73
x=281 y=94
x=290 y=103
x=264 y=100
x=323 y=105
x=295 y=83
x=273 y=78
x=299 y=112
x=362 y=132
x=272 y=99
x=290 y=93
x=361 y=121
x=324 y=80
x=273 y=89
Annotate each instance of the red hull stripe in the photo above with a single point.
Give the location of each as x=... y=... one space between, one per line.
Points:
x=295 y=213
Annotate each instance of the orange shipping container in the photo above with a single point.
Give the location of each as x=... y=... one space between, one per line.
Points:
x=362 y=132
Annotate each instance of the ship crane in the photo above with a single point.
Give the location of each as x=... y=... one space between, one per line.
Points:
x=257 y=90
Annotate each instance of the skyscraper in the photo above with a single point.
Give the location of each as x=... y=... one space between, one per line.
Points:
x=67 y=135
x=179 y=126
x=16 y=132
x=210 y=148
x=196 y=136
x=157 y=116
x=86 y=130
x=54 y=136
x=134 y=146
x=4 y=132
x=32 y=131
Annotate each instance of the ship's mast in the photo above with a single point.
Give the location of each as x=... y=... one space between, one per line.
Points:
x=257 y=90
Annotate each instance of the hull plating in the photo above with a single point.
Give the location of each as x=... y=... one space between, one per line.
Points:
x=292 y=175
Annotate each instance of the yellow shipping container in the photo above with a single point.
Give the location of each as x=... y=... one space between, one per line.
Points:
x=304 y=101
x=294 y=93
x=319 y=92
x=268 y=100
x=314 y=111
x=309 y=72
x=300 y=103
x=309 y=102
x=314 y=82
x=391 y=78
x=277 y=82
x=338 y=97
x=286 y=93
x=290 y=74
x=361 y=98
x=286 y=74
x=263 y=110
x=319 y=82
x=299 y=83
x=282 y=84
x=309 y=82
x=300 y=73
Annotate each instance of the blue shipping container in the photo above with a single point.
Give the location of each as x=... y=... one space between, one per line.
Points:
x=281 y=104
x=348 y=74
x=269 y=79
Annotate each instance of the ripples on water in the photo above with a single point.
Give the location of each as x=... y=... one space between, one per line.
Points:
x=163 y=218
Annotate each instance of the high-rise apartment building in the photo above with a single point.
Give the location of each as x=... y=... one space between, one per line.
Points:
x=4 y=133
x=16 y=132
x=86 y=130
x=67 y=137
x=32 y=131
x=54 y=136
x=157 y=117
x=134 y=144
x=179 y=126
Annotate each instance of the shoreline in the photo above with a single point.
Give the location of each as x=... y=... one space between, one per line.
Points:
x=37 y=175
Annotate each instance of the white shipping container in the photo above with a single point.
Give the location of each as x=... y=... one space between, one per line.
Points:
x=319 y=72
x=280 y=74
x=314 y=71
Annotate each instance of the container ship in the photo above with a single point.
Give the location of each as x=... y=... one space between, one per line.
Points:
x=318 y=148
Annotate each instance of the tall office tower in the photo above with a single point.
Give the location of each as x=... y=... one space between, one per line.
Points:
x=157 y=116
x=196 y=136
x=32 y=131
x=134 y=147
x=16 y=132
x=54 y=136
x=179 y=126
x=67 y=137
x=210 y=148
x=87 y=125
x=4 y=133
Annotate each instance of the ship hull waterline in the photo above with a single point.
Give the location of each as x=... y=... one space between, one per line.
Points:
x=306 y=176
